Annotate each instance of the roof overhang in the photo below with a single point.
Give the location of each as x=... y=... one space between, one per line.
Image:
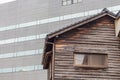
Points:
x=50 y=37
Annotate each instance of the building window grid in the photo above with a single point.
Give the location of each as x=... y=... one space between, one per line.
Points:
x=21 y=69
x=22 y=53
x=20 y=39
x=6 y=1
x=54 y=19
x=68 y=2
x=76 y=1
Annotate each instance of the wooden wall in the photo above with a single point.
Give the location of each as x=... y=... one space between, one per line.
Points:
x=117 y=26
x=95 y=37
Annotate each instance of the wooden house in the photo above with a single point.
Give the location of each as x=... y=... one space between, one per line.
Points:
x=86 y=50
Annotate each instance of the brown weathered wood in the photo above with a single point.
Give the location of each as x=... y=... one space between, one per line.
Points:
x=93 y=39
x=95 y=35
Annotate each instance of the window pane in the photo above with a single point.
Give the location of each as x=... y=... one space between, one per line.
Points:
x=90 y=60
x=75 y=1
x=81 y=59
x=79 y=0
x=66 y=2
x=6 y=1
x=97 y=60
x=69 y=2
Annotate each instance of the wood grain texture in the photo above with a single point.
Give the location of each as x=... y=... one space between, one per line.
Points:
x=95 y=37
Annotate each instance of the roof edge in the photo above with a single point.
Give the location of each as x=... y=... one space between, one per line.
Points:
x=104 y=12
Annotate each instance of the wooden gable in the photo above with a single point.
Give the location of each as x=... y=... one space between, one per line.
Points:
x=95 y=38
x=51 y=37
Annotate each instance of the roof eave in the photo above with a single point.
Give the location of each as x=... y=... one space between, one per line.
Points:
x=79 y=24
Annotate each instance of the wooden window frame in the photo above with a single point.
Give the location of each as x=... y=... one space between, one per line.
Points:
x=91 y=66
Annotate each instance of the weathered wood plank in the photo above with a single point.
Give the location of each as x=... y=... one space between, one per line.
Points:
x=98 y=37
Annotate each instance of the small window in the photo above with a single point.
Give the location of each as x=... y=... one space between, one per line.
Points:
x=76 y=1
x=66 y=2
x=90 y=60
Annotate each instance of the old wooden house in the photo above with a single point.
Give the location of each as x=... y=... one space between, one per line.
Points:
x=86 y=50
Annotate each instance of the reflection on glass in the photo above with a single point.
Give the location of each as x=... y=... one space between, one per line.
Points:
x=90 y=59
x=22 y=53
x=22 y=68
x=59 y=18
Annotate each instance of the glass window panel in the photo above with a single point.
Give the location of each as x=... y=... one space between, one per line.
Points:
x=40 y=67
x=99 y=10
x=90 y=59
x=64 y=3
x=28 y=68
x=19 y=69
x=75 y=1
x=37 y=36
x=28 y=24
x=6 y=55
x=9 y=41
x=10 y=27
x=79 y=0
x=61 y=17
x=92 y=12
x=67 y=17
x=86 y=13
x=20 y=53
x=6 y=70
x=26 y=53
x=22 y=68
x=0 y=70
x=23 y=53
x=13 y=69
x=32 y=52
x=77 y=15
x=54 y=19
x=36 y=67
x=42 y=35
x=31 y=37
x=97 y=60
x=114 y=8
x=69 y=2
x=80 y=59
x=2 y=42
x=40 y=51
x=21 y=39
x=44 y=21
x=6 y=1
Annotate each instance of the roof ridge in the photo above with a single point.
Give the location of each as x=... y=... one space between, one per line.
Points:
x=106 y=10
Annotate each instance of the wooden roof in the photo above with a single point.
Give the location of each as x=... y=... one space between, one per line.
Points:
x=50 y=37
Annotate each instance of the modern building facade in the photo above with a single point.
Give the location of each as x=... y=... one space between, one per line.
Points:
x=25 y=23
